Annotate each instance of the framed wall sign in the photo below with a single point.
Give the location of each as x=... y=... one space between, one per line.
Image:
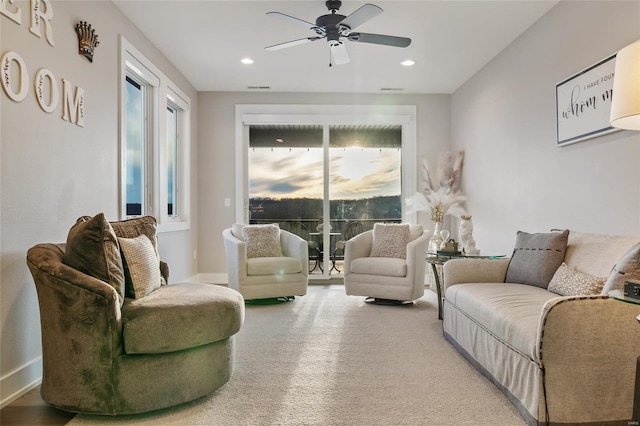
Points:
x=583 y=103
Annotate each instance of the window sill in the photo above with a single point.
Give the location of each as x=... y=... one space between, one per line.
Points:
x=173 y=226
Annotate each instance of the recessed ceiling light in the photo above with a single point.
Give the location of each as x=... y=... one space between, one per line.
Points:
x=407 y=63
x=247 y=61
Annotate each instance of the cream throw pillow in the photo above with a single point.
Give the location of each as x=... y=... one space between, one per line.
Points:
x=143 y=265
x=390 y=240
x=262 y=240
x=569 y=282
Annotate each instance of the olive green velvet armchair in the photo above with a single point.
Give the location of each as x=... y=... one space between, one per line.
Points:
x=107 y=354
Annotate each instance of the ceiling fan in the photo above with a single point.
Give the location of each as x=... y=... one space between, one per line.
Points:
x=335 y=27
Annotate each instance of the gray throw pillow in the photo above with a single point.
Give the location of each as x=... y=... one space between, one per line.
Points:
x=390 y=240
x=536 y=257
x=628 y=268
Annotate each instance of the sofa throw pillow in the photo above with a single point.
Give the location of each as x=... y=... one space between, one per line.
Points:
x=143 y=266
x=569 y=282
x=627 y=268
x=536 y=257
x=390 y=240
x=262 y=240
x=92 y=248
x=131 y=228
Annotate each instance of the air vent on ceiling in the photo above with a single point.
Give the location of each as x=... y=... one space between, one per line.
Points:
x=391 y=89
x=259 y=87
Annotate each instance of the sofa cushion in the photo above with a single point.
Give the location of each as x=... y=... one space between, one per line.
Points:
x=385 y=266
x=142 y=264
x=513 y=316
x=131 y=228
x=628 y=268
x=181 y=316
x=273 y=265
x=92 y=248
x=569 y=282
x=262 y=240
x=536 y=257
x=390 y=240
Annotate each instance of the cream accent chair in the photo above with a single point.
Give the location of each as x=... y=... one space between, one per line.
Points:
x=267 y=277
x=386 y=279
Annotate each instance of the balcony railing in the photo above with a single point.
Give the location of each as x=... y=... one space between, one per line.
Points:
x=309 y=229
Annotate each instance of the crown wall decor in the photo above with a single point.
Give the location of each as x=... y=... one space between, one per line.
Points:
x=87 y=40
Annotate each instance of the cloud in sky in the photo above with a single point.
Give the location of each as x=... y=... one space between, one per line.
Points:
x=298 y=172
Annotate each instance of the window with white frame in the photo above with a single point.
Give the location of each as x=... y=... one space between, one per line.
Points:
x=154 y=143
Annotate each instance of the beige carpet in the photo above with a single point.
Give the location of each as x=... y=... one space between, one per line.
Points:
x=330 y=359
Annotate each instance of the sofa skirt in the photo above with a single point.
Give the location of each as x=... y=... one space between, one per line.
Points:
x=516 y=375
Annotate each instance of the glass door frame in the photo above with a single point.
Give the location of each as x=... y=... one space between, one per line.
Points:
x=325 y=115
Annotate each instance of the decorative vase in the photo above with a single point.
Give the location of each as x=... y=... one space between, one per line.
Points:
x=466 y=235
x=436 y=239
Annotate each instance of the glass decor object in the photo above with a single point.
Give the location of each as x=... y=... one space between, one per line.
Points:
x=436 y=238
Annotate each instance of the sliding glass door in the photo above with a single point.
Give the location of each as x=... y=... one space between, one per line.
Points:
x=326 y=183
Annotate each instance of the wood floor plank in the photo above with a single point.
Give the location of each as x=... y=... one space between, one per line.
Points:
x=31 y=410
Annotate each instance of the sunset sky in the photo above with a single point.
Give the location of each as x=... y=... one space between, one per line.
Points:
x=297 y=172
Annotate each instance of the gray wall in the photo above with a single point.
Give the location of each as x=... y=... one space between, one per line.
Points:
x=504 y=117
x=53 y=171
x=216 y=159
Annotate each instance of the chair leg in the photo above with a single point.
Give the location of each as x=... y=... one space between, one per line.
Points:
x=318 y=260
x=333 y=261
x=389 y=302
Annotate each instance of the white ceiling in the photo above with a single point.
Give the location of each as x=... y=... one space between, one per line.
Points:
x=451 y=41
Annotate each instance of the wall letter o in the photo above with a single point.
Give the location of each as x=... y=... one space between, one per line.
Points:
x=39 y=84
x=7 y=59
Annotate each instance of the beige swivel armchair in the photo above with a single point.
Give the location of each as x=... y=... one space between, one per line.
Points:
x=386 y=279
x=284 y=274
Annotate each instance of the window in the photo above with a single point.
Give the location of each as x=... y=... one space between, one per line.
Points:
x=172 y=161
x=154 y=145
x=287 y=177
x=135 y=143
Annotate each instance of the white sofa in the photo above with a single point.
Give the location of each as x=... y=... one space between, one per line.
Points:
x=559 y=359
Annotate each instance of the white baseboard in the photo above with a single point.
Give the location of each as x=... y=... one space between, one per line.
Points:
x=20 y=381
x=211 y=278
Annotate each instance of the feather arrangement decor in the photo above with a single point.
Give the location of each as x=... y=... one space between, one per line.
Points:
x=441 y=194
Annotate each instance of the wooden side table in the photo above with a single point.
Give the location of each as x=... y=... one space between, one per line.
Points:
x=440 y=258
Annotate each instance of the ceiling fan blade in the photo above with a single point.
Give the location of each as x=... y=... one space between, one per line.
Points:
x=380 y=39
x=291 y=43
x=339 y=53
x=307 y=25
x=361 y=16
